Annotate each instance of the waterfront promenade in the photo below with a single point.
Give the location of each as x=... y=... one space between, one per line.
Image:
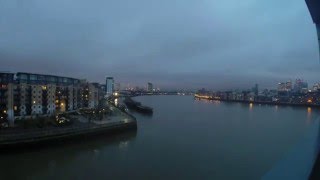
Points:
x=83 y=126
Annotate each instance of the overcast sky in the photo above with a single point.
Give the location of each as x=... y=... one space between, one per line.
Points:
x=217 y=44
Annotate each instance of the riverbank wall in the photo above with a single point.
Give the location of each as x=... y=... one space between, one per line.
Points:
x=31 y=138
x=258 y=102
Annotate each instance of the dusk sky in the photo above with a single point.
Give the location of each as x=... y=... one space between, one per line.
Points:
x=216 y=44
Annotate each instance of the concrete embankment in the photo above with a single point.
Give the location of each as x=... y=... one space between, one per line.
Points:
x=83 y=129
x=38 y=137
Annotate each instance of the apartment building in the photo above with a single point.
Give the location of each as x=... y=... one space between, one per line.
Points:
x=6 y=96
x=28 y=95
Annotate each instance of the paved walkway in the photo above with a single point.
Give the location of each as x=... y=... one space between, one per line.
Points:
x=117 y=116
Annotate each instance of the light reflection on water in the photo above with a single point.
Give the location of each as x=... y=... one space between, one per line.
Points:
x=309 y=110
x=116 y=101
x=251 y=106
x=123 y=145
x=309 y=115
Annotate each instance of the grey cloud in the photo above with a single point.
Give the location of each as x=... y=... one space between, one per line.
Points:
x=173 y=43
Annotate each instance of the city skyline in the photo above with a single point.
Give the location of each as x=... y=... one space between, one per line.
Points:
x=133 y=85
x=200 y=44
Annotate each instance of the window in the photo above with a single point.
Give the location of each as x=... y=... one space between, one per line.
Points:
x=42 y=78
x=23 y=77
x=53 y=79
x=33 y=77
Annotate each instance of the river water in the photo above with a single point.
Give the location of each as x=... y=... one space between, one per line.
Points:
x=184 y=139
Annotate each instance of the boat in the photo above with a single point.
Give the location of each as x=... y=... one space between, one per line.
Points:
x=137 y=106
x=144 y=109
x=131 y=103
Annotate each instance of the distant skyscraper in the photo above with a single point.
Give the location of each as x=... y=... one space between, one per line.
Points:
x=281 y=87
x=316 y=87
x=297 y=85
x=289 y=85
x=255 y=89
x=150 y=87
x=300 y=86
x=109 y=86
x=304 y=88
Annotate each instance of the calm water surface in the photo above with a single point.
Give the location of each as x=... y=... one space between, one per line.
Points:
x=184 y=139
